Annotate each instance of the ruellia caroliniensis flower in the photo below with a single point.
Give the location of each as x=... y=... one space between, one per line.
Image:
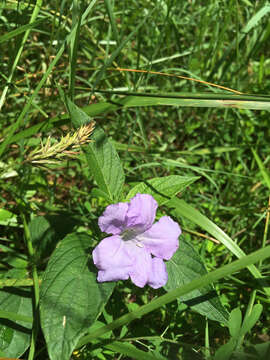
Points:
x=138 y=246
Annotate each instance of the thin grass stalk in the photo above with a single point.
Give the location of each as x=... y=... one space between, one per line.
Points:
x=207 y=353
x=36 y=289
x=76 y=23
x=265 y=233
x=17 y=58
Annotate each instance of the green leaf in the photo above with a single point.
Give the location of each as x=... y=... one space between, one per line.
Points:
x=97 y=193
x=14 y=316
x=77 y=116
x=15 y=334
x=225 y=351
x=70 y=297
x=196 y=100
x=47 y=231
x=184 y=99
x=162 y=188
x=132 y=352
x=185 y=210
x=7 y=171
x=251 y=320
x=262 y=350
x=7 y=217
x=235 y=322
x=98 y=324
x=185 y=266
x=105 y=165
x=264 y=173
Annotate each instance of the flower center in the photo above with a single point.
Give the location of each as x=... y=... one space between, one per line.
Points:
x=131 y=235
x=128 y=234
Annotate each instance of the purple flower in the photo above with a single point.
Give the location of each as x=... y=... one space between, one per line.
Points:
x=137 y=246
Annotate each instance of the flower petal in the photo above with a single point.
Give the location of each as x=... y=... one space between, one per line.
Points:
x=114 y=274
x=111 y=254
x=142 y=266
x=162 y=238
x=112 y=221
x=141 y=212
x=158 y=276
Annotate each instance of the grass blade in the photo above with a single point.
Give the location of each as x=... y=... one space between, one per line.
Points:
x=74 y=42
x=262 y=168
x=20 y=30
x=109 y=9
x=249 y=26
x=118 y=50
x=131 y=351
x=183 y=209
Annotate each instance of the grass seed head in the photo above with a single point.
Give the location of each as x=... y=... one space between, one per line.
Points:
x=53 y=153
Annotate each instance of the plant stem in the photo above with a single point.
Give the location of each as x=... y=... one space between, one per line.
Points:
x=206 y=341
x=265 y=229
x=247 y=314
x=36 y=288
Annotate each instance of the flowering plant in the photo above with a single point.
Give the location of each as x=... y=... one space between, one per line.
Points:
x=138 y=246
